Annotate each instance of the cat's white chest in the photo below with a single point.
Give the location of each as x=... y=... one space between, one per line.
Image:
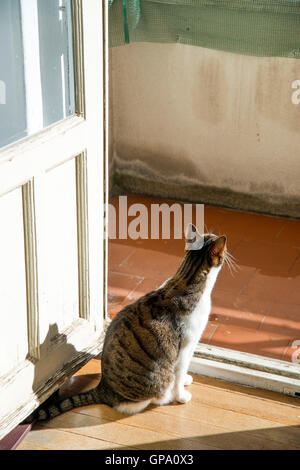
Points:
x=196 y=322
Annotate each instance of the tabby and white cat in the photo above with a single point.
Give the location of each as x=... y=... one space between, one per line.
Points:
x=148 y=346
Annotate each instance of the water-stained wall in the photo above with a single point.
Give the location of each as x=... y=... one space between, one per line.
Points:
x=207 y=126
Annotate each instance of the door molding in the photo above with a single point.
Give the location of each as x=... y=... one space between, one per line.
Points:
x=31 y=270
x=82 y=236
x=78 y=47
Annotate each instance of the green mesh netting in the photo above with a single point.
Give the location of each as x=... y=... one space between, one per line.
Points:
x=253 y=27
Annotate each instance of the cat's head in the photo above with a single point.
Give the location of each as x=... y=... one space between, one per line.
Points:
x=207 y=250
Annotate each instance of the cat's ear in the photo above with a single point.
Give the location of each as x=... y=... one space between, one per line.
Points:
x=217 y=249
x=193 y=239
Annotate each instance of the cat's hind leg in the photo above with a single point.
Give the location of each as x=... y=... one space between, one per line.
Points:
x=132 y=407
x=166 y=398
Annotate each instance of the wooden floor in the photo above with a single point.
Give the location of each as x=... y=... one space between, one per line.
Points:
x=219 y=416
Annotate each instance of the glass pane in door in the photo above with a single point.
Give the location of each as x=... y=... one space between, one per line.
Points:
x=36 y=66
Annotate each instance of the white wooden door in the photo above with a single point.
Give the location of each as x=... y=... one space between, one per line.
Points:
x=51 y=208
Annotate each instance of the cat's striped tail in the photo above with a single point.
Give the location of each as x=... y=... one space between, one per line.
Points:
x=50 y=409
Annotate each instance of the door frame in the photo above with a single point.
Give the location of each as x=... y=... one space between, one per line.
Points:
x=246 y=369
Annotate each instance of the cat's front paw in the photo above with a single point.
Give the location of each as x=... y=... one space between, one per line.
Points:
x=188 y=380
x=184 y=396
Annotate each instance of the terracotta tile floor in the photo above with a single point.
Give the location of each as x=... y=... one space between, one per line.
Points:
x=256 y=309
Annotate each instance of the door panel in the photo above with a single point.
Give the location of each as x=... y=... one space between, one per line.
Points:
x=60 y=230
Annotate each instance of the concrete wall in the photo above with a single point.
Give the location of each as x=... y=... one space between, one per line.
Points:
x=207 y=126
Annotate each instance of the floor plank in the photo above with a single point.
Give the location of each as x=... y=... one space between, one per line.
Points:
x=57 y=439
x=102 y=429
x=250 y=404
x=27 y=445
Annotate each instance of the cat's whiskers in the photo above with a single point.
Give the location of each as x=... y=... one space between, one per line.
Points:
x=232 y=265
x=231 y=256
x=232 y=260
x=228 y=265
